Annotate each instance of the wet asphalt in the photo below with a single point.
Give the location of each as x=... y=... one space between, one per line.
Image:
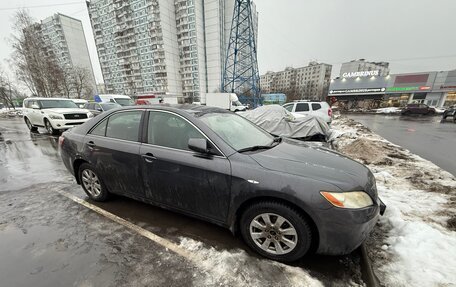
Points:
x=46 y=239
x=425 y=136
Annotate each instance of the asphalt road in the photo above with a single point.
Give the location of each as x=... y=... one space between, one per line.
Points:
x=51 y=234
x=423 y=135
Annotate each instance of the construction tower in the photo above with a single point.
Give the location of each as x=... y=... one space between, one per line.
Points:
x=241 y=75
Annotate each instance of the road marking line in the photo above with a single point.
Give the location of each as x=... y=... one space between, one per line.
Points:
x=133 y=227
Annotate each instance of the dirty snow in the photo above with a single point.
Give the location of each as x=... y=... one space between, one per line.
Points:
x=391 y=110
x=417 y=242
x=235 y=268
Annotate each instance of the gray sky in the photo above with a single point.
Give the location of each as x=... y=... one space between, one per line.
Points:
x=413 y=35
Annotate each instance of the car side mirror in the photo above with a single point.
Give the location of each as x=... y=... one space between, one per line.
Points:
x=198 y=145
x=35 y=107
x=99 y=109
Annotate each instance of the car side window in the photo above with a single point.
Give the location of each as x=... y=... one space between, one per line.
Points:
x=316 y=107
x=288 y=107
x=170 y=130
x=124 y=126
x=100 y=129
x=302 y=107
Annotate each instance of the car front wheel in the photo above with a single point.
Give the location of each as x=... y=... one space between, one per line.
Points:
x=49 y=128
x=276 y=231
x=92 y=183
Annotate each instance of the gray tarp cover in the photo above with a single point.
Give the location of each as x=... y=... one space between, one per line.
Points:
x=280 y=122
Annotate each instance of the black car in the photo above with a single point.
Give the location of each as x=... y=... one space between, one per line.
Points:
x=450 y=112
x=283 y=196
x=98 y=108
x=418 y=109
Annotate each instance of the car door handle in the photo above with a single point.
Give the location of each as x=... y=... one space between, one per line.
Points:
x=148 y=157
x=91 y=144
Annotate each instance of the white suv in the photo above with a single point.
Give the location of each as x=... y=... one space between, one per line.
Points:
x=54 y=114
x=320 y=109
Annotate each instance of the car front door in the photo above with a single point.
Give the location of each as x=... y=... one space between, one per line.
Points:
x=34 y=113
x=177 y=177
x=113 y=148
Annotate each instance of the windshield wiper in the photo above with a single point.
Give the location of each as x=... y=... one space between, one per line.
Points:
x=255 y=147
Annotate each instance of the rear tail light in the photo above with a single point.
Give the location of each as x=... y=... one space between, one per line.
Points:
x=61 y=140
x=330 y=112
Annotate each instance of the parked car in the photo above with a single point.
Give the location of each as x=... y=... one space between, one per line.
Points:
x=54 y=114
x=279 y=122
x=319 y=109
x=98 y=108
x=80 y=102
x=283 y=196
x=122 y=100
x=450 y=112
x=418 y=109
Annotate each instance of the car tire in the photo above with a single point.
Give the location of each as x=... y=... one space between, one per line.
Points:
x=255 y=231
x=31 y=127
x=49 y=128
x=92 y=183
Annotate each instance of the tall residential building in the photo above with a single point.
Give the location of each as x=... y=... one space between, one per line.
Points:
x=175 y=47
x=310 y=82
x=349 y=69
x=67 y=41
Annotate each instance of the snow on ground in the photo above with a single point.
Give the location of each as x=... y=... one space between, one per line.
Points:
x=10 y=112
x=391 y=110
x=414 y=243
x=237 y=268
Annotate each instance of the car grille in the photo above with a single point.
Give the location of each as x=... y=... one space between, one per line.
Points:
x=74 y=124
x=75 y=116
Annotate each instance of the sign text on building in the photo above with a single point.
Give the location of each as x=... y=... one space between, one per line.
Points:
x=361 y=74
x=358 y=91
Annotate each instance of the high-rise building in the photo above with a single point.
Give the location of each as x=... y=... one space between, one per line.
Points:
x=65 y=37
x=350 y=69
x=175 y=47
x=309 y=82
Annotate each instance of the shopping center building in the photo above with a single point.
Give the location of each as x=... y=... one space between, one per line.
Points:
x=436 y=89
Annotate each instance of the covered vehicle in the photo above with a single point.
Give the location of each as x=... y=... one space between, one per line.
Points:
x=278 y=121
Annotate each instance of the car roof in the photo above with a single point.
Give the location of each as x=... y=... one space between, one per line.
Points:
x=189 y=109
x=42 y=98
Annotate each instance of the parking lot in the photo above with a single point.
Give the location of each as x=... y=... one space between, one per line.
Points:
x=52 y=235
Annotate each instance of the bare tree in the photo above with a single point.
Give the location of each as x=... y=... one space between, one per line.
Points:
x=34 y=63
x=82 y=82
x=7 y=90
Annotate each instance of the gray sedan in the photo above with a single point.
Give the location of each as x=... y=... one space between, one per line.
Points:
x=284 y=197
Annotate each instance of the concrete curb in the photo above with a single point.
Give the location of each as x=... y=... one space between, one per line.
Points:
x=367 y=272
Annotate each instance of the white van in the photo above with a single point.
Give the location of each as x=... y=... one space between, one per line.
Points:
x=119 y=99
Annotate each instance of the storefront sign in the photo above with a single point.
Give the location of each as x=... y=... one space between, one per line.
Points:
x=406 y=89
x=361 y=74
x=358 y=91
x=448 y=87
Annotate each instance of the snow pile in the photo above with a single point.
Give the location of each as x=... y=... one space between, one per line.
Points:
x=237 y=268
x=415 y=241
x=7 y=113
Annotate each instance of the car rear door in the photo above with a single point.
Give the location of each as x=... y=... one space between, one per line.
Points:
x=177 y=177
x=113 y=148
x=302 y=108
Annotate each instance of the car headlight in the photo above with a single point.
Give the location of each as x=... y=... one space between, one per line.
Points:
x=90 y=115
x=56 y=117
x=351 y=199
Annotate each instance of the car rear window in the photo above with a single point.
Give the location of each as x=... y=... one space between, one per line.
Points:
x=302 y=107
x=316 y=107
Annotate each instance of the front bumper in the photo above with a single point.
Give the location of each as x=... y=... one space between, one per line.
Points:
x=343 y=230
x=67 y=124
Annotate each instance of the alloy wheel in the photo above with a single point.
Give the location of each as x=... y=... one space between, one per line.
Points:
x=273 y=233
x=91 y=183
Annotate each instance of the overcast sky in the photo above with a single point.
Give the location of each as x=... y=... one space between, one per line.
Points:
x=413 y=35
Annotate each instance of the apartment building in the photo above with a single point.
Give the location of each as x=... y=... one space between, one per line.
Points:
x=65 y=37
x=361 y=67
x=175 y=47
x=309 y=82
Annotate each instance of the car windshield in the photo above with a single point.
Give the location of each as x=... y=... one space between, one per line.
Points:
x=109 y=106
x=236 y=131
x=124 y=102
x=50 y=104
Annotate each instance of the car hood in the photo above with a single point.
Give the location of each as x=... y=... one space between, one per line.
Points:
x=319 y=163
x=67 y=110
